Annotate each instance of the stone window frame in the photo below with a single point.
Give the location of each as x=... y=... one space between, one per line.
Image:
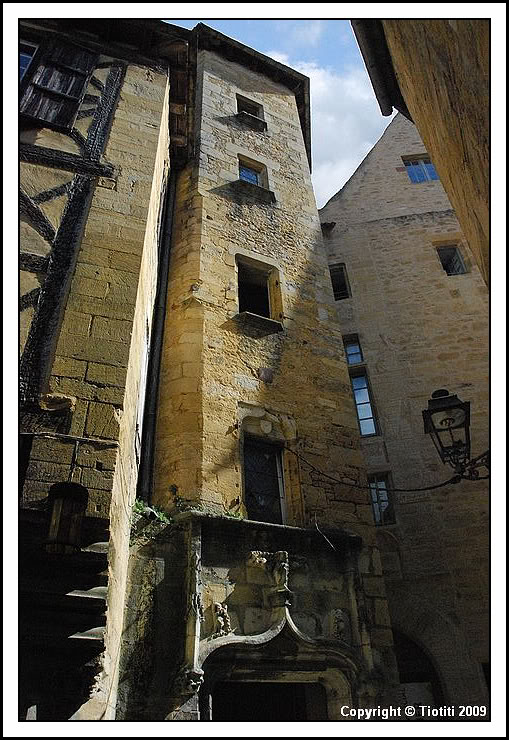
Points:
x=416 y=167
x=250 y=113
x=257 y=422
x=455 y=260
x=259 y=190
x=358 y=371
x=340 y=292
x=272 y=273
x=351 y=340
x=375 y=479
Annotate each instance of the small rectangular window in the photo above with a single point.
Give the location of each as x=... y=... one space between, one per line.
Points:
x=420 y=169
x=53 y=88
x=253 y=172
x=249 y=174
x=26 y=53
x=263 y=481
x=248 y=106
x=363 y=404
x=451 y=260
x=253 y=290
x=339 y=281
x=353 y=351
x=381 y=503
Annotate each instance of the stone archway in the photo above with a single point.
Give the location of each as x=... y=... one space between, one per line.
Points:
x=446 y=647
x=285 y=669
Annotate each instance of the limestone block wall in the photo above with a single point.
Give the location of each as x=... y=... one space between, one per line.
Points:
x=211 y=364
x=419 y=329
x=442 y=68
x=88 y=362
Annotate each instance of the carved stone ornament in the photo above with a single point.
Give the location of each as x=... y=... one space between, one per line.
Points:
x=276 y=567
x=188 y=681
x=222 y=620
x=340 y=625
x=258 y=559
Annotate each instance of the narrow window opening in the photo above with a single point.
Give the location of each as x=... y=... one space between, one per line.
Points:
x=248 y=106
x=248 y=174
x=420 y=169
x=381 y=503
x=363 y=405
x=353 y=351
x=451 y=260
x=339 y=281
x=26 y=54
x=263 y=481
x=253 y=290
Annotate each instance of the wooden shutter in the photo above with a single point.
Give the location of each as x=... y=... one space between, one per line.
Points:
x=54 y=91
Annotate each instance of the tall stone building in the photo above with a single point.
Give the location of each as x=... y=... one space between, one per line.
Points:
x=412 y=307
x=180 y=348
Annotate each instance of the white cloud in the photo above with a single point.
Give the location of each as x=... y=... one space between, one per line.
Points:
x=345 y=122
x=308 y=33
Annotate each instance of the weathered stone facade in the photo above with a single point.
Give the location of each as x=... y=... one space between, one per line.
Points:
x=419 y=329
x=186 y=316
x=439 y=72
x=226 y=376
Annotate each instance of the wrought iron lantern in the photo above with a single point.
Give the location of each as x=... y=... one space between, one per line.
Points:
x=68 y=505
x=447 y=421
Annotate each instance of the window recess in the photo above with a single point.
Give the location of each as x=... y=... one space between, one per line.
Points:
x=27 y=51
x=353 y=350
x=263 y=481
x=340 y=284
x=420 y=168
x=253 y=180
x=54 y=84
x=364 y=404
x=451 y=260
x=250 y=114
x=259 y=293
x=381 y=503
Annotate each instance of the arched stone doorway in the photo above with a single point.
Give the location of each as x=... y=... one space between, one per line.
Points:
x=284 y=679
x=420 y=682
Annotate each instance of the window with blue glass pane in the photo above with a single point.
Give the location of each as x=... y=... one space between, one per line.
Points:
x=363 y=405
x=249 y=174
x=353 y=352
x=420 y=169
x=26 y=54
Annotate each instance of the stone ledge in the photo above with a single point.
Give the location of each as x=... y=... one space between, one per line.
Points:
x=258 y=124
x=262 y=323
x=256 y=191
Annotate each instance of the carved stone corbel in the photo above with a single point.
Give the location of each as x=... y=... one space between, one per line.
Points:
x=276 y=567
x=188 y=681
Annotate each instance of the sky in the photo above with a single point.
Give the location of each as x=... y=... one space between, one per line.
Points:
x=345 y=117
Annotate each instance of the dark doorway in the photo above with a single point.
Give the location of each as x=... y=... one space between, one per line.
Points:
x=260 y=701
x=417 y=673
